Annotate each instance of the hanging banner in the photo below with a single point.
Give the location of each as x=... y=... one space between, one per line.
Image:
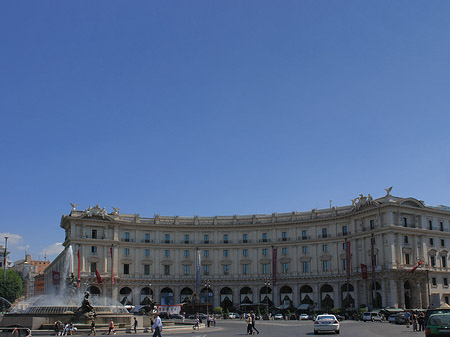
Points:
x=364 y=271
x=99 y=278
x=348 y=259
x=274 y=266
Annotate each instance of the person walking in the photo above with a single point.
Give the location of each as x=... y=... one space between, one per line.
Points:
x=135 y=324
x=157 y=326
x=92 y=328
x=111 y=327
x=253 y=316
x=248 y=319
x=407 y=319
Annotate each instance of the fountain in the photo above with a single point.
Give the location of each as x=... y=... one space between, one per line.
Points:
x=41 y=312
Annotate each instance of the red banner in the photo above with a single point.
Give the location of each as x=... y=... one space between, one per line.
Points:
x=112 y=264
x=274 y=266
x=416 y=266
x=364 y=271
x=99 y=278
x=55 y=276
x=348 y=259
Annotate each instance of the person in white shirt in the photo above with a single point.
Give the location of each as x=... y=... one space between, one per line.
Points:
x=157 y=326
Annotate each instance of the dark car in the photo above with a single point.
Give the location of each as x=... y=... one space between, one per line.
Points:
x=176 y=316
x=438 y=325
x=442 y=310
x=163 y=315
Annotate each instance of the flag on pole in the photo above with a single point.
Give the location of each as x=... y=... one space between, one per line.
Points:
x=99 y=278
x=112 y=265
x=79 y=269
x=199 y=262
x=274 y=266
x=4 y=259
x=416 y=266
x=364 y=271
x=56 y=277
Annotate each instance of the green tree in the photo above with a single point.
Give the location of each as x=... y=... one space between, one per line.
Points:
x=218 y=310
x=12 y=287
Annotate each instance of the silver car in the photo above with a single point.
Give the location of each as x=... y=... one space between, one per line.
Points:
x=326 y=323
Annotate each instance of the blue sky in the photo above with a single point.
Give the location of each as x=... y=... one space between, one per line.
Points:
x=217 y=108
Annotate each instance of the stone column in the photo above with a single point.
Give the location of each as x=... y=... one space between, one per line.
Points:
x=393 y=298
x=383 y=292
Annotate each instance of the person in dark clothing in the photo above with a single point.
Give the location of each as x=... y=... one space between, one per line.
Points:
x=253 y=316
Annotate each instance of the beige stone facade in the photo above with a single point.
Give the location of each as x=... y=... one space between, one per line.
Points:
x=157 y=257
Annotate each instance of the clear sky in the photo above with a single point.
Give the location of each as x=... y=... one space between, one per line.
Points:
x=217 y=108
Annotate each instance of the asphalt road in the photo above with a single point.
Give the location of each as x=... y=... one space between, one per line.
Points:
x=231 y=328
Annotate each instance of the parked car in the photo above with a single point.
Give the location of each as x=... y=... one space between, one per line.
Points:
x=326 y=323
x=443 y=310
x=175 y=316
x=372 y=316
x=400 y=318
x=304 y=317
x=234 y=315
x=438 y=325
x=392 y=318
x=278 y=316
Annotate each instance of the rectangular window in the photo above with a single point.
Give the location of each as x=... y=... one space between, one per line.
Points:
x=245 y=238
x=186 y=253
x=344 y=246
x=147 y=252
x=431 y=242
x=306 y=267
x=226 y=269
x=284 y=236
x=285 y=267
x=405 y=222
x=442 y=243
x=147 y=237
x=264 y=252
x=325 y=248
x=405 y=239
x=265 y=268
x=325 y=265
x=444 y=261
x=166 y=269
x=304 y=234
x=206 y=253
x=94 y=249
x=245 y=269
x=146 y=269
x=264 y=237
x=430 y=225
x=206 y=269
x=245 y=252
x=225 y=238
x=94 y=234
x=433 y=281
x=206 y=238
x=225 y=253
x=445 y=282
x=441 y=226
x=344 y=230
x=186 y=238
x=166 y=238
x=93 y=267
x=126 y=269
x=447 y=299
x=304 y=249
x=284 y=251
x=433 y=261
x=166 y=253
x=187 y=269
x=372 y=224
x=127 y=237
x=324 y=232
x=126 y=251
x=407 y=261
x=344 y=264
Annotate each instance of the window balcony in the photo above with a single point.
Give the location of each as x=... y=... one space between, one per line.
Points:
x=126 y=240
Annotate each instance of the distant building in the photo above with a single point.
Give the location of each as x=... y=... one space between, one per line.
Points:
x=296 y=259
x=29 y=269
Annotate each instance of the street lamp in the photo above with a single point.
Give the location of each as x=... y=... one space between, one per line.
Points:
x=267 y=284
x=207 y=285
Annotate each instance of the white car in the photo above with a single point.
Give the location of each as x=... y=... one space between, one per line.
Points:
x=278 y=316
x=372 y=316
x=326 y=323
x=304 y=317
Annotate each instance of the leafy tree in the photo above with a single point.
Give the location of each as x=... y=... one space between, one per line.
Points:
x=12 y=287
x=218 y=310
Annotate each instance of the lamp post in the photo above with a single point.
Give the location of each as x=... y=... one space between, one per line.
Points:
x=207 y=285
x=5 y=260
x=267 y=284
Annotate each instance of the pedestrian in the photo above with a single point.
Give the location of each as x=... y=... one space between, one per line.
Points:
x=157 y=326
x=71 y=328
x=248 y=319
x=28 y=333
x=56 y=327
x=407 y=318
x=135 y=324
x=92 y=328
x=253 y=316
x=421 y=321
x=197 y=323
x=415 y=322
x=214 y=321
x=111 y=327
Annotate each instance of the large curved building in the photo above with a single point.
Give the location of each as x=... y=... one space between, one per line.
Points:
x=296 y=259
